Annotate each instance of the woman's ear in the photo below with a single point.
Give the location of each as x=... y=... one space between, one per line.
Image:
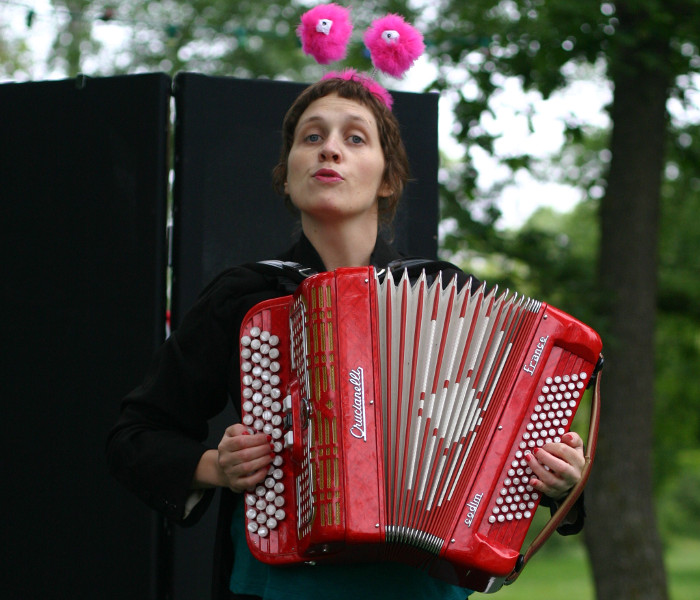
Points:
x=385 y=190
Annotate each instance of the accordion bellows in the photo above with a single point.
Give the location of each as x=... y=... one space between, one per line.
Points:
x=401 y=413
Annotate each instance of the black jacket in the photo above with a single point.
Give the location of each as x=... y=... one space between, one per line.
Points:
x=158 y=440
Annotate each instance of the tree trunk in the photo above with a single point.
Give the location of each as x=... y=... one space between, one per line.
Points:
x=621 y=531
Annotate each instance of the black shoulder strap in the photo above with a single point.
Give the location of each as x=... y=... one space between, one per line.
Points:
x=288 y=274
x=416 y=265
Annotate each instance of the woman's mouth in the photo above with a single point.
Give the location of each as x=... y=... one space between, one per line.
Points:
x=327 y=176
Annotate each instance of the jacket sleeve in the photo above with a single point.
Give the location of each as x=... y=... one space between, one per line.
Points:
x=158 y=440
x=573 y=522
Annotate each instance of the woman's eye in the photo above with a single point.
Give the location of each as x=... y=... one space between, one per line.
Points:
x=356 y=139
x=313 y=137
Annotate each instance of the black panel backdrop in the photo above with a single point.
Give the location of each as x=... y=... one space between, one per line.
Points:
x=83 y=192
x=83 y=178
x=227 y=141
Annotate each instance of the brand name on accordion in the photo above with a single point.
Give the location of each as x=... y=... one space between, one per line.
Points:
x=472 y=506
x=530 y=368
x=357 y=381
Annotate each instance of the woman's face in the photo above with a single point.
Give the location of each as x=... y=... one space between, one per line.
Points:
x=336 y=165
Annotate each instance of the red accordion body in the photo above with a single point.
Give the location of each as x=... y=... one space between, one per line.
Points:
x=402 y=414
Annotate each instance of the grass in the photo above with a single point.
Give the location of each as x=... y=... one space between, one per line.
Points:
x=564 y=572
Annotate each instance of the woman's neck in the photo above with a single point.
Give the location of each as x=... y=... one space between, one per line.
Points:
x=349 y=245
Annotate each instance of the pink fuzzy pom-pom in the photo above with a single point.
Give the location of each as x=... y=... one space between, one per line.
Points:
x=393 y=44
x=373 y=87
x=324 y=32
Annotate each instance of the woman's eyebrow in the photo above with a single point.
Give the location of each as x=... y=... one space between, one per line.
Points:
x=317 y=118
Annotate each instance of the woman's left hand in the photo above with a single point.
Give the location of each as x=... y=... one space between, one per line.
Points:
x=557 y=466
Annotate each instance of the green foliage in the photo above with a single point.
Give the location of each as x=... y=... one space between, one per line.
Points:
x=242 y=38
x=14 y=54
x=678 y=327
x=679 y=505
x=562 y=571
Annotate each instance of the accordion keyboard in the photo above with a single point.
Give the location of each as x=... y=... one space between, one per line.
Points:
x=263 y=411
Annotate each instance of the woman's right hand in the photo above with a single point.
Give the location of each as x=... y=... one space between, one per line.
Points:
x=243 y=458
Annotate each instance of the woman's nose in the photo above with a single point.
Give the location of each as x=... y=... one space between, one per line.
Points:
x=330 y=150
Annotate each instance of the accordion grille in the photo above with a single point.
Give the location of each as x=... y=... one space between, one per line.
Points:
x=319 y=357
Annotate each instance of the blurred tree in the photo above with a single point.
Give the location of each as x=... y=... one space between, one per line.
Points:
x=14 y=54
x=242 y=38
x=678 y=333
x=74 y=40
x=649 y=49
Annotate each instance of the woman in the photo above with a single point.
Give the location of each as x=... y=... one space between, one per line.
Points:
x=342 y=168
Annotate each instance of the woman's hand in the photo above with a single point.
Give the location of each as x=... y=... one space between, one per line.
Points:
x=243 y=458
x=557 y=466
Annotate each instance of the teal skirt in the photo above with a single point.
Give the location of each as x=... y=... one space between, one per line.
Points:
x=385 y=580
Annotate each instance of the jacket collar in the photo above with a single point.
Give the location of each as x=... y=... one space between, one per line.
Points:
x=305 y=254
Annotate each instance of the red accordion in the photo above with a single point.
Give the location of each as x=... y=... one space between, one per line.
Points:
x=401 y=413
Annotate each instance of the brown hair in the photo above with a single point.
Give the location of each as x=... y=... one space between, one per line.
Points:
x=396 y=170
